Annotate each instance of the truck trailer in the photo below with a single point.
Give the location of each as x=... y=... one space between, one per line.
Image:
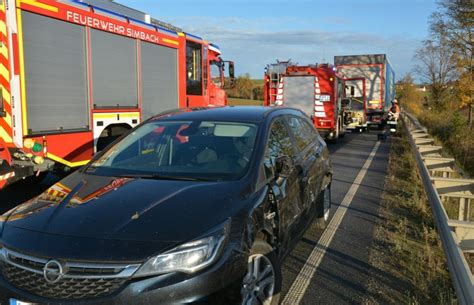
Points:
x=370 y=82
x=317 y=90
x=75 y=75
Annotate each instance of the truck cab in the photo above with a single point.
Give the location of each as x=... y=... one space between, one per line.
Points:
x=207 y=74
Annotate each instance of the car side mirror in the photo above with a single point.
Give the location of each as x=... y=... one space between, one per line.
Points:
x=229 y=79
x=283 y=166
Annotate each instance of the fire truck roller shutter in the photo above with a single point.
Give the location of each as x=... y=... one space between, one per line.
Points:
x=114 y=70
x=159 y=66
x=299 y=92
x=55 y=74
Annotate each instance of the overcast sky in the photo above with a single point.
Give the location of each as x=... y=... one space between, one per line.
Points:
x=255 y=33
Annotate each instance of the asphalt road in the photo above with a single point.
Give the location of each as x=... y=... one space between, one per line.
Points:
x=343 y=272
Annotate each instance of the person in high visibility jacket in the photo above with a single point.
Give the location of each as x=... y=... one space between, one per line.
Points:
x=394 y=112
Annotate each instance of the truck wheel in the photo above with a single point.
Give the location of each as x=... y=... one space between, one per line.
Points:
x=323 y=208
x=342 y=130
x=262 y=282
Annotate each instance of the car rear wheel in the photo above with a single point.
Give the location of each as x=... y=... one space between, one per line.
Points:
x=324 y=208
x=262 y=282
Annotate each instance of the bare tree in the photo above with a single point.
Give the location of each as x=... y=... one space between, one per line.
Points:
x=436 y=66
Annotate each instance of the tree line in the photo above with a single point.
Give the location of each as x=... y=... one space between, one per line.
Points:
x=445 y=59
x=445 y=65
x=246 y=88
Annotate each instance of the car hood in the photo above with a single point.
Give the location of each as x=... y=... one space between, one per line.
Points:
x=87 y=210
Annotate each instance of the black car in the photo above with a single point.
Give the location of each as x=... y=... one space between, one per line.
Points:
x=195 y=205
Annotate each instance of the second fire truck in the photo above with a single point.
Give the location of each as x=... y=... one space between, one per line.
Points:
x=318 y=90
x=74 y=75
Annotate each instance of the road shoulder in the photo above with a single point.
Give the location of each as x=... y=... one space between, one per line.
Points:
x=407 y=249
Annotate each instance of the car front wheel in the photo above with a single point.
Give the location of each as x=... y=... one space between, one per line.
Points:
x=262 y=283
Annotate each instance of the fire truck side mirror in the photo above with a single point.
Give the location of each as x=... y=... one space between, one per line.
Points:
x=231 y=70
x=230 y=79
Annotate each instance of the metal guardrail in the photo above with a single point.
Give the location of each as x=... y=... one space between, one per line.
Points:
x=457 y=235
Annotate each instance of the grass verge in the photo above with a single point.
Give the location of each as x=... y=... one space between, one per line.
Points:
x=407 y=248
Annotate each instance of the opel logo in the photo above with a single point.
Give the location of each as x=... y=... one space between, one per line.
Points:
x=53 y=271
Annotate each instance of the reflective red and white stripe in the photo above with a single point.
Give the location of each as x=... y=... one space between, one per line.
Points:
x=7 y=176
x=319 y=111
x=279 y=95
x=6 y=131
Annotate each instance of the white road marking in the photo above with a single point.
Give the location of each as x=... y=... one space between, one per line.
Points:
x=302 y=281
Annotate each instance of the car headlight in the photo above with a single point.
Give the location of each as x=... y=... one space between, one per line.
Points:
x=189 y=257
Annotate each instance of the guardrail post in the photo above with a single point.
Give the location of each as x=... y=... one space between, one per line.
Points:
x=462 y=209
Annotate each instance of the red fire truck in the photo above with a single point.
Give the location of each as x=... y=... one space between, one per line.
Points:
x=318 y=90
x=74 y=75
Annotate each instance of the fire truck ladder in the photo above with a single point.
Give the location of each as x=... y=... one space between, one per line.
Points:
x=275 y=71
x=274 y=80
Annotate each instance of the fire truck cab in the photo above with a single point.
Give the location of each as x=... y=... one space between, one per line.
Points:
x=317 y=90
x=77 y=74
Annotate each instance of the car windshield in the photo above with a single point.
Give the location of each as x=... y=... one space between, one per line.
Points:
x=184 y=150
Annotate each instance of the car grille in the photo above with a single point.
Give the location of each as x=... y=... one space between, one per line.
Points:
x=79 y=281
